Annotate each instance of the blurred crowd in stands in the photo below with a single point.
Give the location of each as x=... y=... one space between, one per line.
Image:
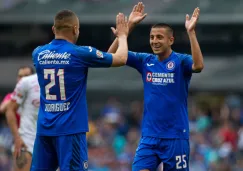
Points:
x=216 y=125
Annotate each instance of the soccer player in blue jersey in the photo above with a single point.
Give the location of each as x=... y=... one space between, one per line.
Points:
x=166 y=76
x=62 y=69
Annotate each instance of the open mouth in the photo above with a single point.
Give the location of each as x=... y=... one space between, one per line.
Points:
x=156 y=47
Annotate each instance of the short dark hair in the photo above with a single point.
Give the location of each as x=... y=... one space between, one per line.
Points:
x=164 y=25
x=62 y=19
x=32 y=70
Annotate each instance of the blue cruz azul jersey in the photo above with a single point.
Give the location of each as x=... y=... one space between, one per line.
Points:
x=62 y=70
x=165 y=93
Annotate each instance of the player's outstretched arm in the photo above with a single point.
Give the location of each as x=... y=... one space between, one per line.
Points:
x=136 y=16
x=95 y=58
x=197 y=56
x=119 y=58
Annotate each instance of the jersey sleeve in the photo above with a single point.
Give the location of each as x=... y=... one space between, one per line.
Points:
x=7 y=98
x=34 y=54
x=20 y=91
x=135 y=60
x=187 y=64
x=92 y=57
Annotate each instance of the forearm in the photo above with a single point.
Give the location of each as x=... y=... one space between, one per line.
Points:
x=114 y=46
x=196 y=52
x=122 y=49
x=12 y=122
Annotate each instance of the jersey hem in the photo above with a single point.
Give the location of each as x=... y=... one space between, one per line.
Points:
x=60 y=134
x=138 y=168
x=165 y=137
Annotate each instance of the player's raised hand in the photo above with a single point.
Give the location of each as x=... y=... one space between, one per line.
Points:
x=190 y=23
x=121 y=26
x=137 y=14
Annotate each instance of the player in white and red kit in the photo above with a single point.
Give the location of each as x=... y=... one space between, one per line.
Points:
x=22 y=72
x=26 y=95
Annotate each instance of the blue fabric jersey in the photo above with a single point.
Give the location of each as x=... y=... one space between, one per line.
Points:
x=62 y=70
x=165 y=93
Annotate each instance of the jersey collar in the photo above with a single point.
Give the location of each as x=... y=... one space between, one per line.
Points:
x=58 y=41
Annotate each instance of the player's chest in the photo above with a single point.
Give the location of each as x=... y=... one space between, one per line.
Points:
x=161 y=73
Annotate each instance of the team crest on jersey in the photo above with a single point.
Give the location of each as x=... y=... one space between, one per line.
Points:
x=19 y=95
x=86 y=165
x=99 y=54
x=170 y=65
x=149 y=77
x=36 y=103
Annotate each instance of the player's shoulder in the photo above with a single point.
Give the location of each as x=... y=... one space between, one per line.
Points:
x=31 y=77
x=28 y=79
x=148 y=57
x=84 y=49
x=39 y=49
x=144 y=56
x=141 y=53
x=181 y=55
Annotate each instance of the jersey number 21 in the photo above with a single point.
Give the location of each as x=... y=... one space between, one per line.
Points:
x=60 y=75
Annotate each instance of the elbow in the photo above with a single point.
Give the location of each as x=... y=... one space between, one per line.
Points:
x=198 y=68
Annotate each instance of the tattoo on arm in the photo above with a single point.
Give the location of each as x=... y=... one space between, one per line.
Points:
x=21 y=161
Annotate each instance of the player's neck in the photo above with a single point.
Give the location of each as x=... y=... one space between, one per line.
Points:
x=165 y=55
x=64 y=38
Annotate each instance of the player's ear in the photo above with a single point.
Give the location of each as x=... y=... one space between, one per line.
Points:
x=53 y=30
x=171 y=40
x=75 y=30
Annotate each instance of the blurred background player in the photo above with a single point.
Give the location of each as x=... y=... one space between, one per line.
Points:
x=166 y=77
x=27 y=96
x=62 y=69
x=22 y=71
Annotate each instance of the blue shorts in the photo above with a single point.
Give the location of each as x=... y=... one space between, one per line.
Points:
x=68 y=152
x=173 y=153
